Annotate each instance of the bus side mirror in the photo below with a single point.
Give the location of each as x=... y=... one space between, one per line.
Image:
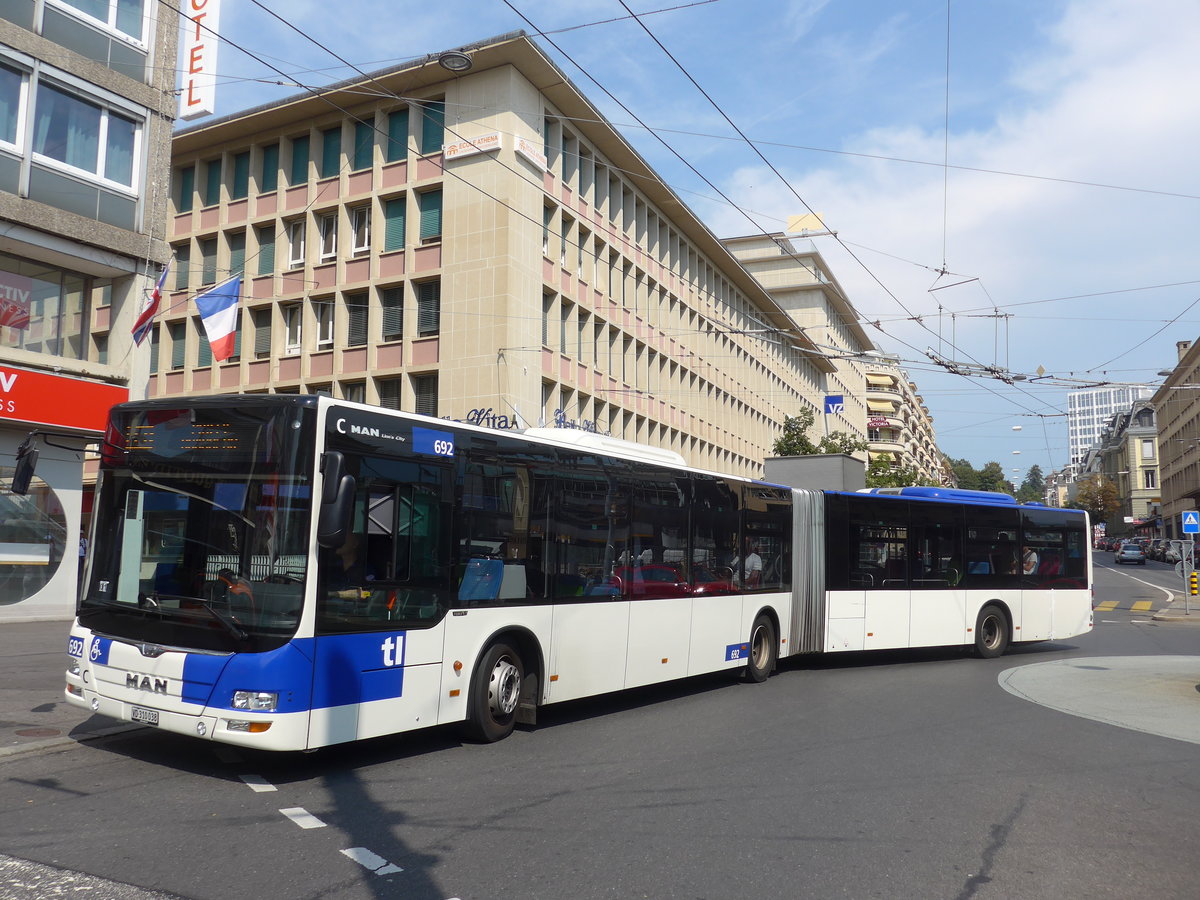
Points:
x=27 y=457
x=337 y=501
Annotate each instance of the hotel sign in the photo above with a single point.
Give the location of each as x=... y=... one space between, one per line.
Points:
x=198 y=95
x=485 y=143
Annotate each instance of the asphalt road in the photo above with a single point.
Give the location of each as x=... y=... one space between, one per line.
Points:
x=906 y=775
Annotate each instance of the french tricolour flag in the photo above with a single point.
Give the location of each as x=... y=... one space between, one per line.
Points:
x=145 y=321
x=219 y=311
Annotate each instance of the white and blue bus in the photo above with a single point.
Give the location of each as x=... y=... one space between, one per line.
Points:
x=289 y=572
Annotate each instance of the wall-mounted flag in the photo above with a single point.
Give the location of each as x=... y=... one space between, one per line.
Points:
x=145 y=321
x=219 y=311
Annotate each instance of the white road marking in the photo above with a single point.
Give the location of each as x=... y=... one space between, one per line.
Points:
x=372 y=861
x=1170 y=594
x=303 y=817
x=257 y=783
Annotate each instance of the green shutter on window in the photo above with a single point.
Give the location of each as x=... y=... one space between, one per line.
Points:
x=356 y=314
x=187 y=189
x=208 y=261
x=430 y=204
x=204 y=348
x=393 y=224
x=155 y=344
x=237 y=252
x=364 y=145
x=183 y=263
x=212 y=182
x=269 y=180
x=266 y=250
x=262 y=333
x=392 y=301
x=397 y=145
x=331 y=152
x=299 y=171
x=429 y=308
x=241 y=176
x=433 y=126
x=425 y=391
x=177 y=345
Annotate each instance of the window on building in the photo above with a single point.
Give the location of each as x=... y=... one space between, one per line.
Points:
x=128 y=17
x=390 y=393
x=208 y=260
x=298 y=174
x=293 y=329
x=393 y=224
x=425 y=394
x=240 y=188
x=430 y=205
x=433 y=125
x=429 y=308
x=183 y=264
x=364 y=145
x=204 y=357
x=547 y=309
x=296 y=251
x=323 y=313
x=397 y=129
x=212 y=182
x=237 y=252
x=268 y=179
x=178 y=333
x=391 y=300
x=1149 y=478
x=327 y=222
x=1148 y=448
x=266 y=249
x=360 y=226
x=357 y=308
x=85 y=136
x=262 y=333
x=355 y=392
x=185 y=188
x=331 y=152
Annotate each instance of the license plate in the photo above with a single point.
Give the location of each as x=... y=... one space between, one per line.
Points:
x=145 y=716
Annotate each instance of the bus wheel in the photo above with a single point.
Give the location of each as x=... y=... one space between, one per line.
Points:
x=495 y=694
x=991 y=633
x=763 y=650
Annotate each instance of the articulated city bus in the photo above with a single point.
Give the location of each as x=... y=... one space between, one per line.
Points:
x=290 y=572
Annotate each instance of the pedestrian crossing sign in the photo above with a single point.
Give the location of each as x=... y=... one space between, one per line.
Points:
x=1191 y=522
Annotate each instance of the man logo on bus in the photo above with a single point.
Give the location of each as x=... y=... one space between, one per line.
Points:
x=393 y=651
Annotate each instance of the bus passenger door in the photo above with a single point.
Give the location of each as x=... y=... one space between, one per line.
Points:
x=937 y=601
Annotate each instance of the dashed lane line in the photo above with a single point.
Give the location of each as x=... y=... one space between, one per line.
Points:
x=303 y=817
x=372 y=861
x=257 y=783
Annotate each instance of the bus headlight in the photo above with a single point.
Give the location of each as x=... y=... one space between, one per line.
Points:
x=73 y=667
x=264 y=701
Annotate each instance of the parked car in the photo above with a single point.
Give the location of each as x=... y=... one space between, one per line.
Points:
x=1130 y=552
x=1170 y=553
x=657 y=580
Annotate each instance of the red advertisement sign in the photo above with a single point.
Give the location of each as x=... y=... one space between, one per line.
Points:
x=38 y=398
x=15 y=293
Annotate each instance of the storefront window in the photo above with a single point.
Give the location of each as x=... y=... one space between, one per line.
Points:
x=33 y=539
x=42 y=309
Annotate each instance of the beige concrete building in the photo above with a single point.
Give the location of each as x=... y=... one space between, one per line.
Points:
x=1129 y=458
x=795 y=274
x=1177 y=407
x=899 y=424
x=85 y=129
x=481 y=245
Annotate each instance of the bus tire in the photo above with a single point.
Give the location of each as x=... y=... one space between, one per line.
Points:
x=495 y=694
x=991 y=632
x=764 y=650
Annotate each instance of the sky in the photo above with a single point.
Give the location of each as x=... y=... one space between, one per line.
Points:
x=1014 y=186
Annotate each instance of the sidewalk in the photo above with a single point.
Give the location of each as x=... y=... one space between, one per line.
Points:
x=33 y=714
x=1177 y=611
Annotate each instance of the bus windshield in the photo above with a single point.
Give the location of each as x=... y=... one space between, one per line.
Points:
x=202 y=526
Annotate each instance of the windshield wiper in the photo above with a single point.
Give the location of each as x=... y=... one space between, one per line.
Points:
x=225 y=620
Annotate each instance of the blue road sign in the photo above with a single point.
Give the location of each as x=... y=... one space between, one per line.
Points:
x=1191 y=522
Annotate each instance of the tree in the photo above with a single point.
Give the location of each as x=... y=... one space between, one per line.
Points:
x=794 y=439
x=1033 y=488
x=881 y=473
x=991 y=478
x=965 y=474
x=1098 y=495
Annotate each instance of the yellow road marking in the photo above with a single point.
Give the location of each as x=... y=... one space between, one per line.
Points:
x=1107 y=605
x=1142 y=606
